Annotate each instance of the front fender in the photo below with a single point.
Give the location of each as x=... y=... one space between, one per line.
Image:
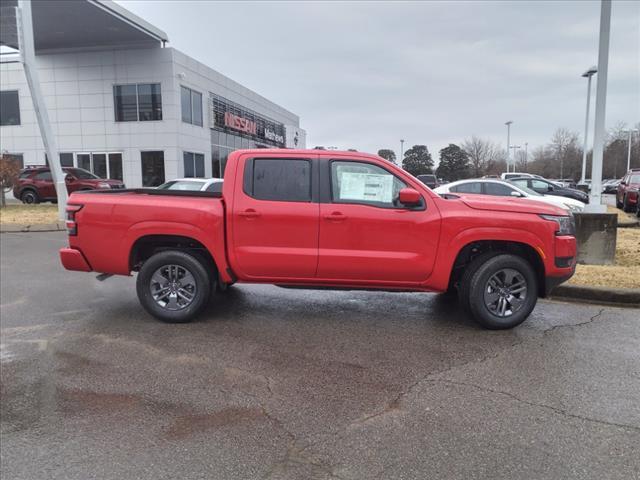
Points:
x=439 y=281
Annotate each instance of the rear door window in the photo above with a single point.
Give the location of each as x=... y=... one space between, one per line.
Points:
x=469 y=187
x=497 y=189
x=281 y=180
x=43 y=176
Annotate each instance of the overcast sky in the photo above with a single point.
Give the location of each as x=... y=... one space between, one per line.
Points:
x=366 y=74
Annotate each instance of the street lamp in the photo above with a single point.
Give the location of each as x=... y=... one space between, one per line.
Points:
x=588 y=74
x=401 y=151
x=508 y=124
x=526 y=155
x=514 y=148
x=629 y=148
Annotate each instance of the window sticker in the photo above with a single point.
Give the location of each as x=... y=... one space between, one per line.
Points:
x=366 y=186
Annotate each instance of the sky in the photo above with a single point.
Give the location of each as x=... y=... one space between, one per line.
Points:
x=364 y=75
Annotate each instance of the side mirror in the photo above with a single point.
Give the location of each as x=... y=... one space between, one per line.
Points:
x=516 y=194
x=550 y=188
x=409 y=197
x=623 y=183
x=69 y=178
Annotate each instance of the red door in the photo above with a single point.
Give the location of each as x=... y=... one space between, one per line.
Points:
x=366 y=236
x=44 y=184
x=274 y=219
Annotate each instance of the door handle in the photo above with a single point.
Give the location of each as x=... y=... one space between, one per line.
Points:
x=335 y=216
x=249 y=213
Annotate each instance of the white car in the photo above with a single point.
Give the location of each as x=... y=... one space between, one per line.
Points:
x=508 y=176
x=194 y=184
x=488 y=186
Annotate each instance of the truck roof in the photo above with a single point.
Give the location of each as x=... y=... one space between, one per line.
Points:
x=307 y=152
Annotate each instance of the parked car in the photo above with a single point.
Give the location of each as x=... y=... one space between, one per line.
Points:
x=610 y=186
x=627 y=193
x=546 y=187
x=322 y=219
x=509 y=176
x=193 y=184
x=35 y=184
x=500 y=188
x=430 y=181
x=565 y=182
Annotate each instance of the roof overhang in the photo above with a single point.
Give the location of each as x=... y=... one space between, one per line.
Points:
x=69 y=25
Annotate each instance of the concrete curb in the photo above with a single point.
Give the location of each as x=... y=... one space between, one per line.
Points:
x=20 y=228
x=622 y=297
x=628 y=224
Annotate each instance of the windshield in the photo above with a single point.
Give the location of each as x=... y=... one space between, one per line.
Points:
x=182 y=185
x=527 y=190
x=635 y=178
x=82 y=174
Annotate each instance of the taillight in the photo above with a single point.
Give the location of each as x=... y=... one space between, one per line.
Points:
x=72 y=226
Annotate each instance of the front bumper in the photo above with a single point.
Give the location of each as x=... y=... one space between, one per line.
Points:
x=73 y=259
x=552 y=282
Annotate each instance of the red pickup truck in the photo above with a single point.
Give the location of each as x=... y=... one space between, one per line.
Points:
x=322 y=219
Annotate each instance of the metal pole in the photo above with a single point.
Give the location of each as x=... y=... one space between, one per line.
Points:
x=508 y=124
x=28 y=56
x=401 y=152
x=629 y=150
x=526 y=155
x=595 y=205
x=586 y=134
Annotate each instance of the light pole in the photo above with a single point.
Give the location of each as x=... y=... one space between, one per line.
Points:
x=526 y=155
x=508 y=124
x=588 y=74
x=629 y=148
x=514 y=148
x=401 y=151
x=595 y=197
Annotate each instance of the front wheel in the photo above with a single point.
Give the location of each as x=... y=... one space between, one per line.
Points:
x=500 y=290
x=173 y=286
x=30 y=197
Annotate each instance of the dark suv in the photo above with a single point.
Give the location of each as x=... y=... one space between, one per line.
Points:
x=546 y=187
x=429 y=180
x=35 y=184
x=628 y=188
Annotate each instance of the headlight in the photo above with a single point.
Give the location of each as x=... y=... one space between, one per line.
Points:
x=103 y=185
x=573 y=208
x=566 y=225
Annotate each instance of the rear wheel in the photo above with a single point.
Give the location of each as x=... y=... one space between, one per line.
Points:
x=499 y=290
x=30 y=197
x=173 y=286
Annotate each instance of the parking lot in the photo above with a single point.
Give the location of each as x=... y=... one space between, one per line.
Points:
x=295 y=384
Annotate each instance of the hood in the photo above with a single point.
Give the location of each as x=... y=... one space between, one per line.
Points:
x=508 y=204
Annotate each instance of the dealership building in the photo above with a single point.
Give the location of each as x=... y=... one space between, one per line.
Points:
x=124 y=105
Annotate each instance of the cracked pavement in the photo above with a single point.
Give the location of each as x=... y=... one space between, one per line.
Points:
x=293 y=384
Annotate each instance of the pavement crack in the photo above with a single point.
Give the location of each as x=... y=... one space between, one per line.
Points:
x=557 y=410
x=580 y=324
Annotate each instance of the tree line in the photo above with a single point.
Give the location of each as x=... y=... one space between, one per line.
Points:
x=560 y=158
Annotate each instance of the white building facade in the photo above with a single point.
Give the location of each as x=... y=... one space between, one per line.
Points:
x=141 y=115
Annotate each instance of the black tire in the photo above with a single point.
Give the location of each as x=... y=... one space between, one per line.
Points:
x=625 y=205
x=29 y=197
x=179 y=261
x=618 y=204
x=475 y=283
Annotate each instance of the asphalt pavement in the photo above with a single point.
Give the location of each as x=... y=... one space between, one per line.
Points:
x=293 y=384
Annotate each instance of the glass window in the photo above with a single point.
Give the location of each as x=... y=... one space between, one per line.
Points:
x=152 y=168
x=191 y=106
x=199 y=164
x=43 y=176
x=538 y=185
x=82 y=174
x=497 y=189
x=100 y=164
x=84 y=161
x=9 y=108
x=280 y=180
x=189 y=170
x=115 y=166
x=356 y=182
x=149 y=102
x=188 y=185
x=185 y=101
x=522 y=182
x=469 y=187
x=66 y=159
x=196 y=108
x=634 y=178
x=137 y=102
x=126 y=103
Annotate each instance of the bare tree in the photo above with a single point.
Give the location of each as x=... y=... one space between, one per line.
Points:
x=483 y=154
x=9 y=170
